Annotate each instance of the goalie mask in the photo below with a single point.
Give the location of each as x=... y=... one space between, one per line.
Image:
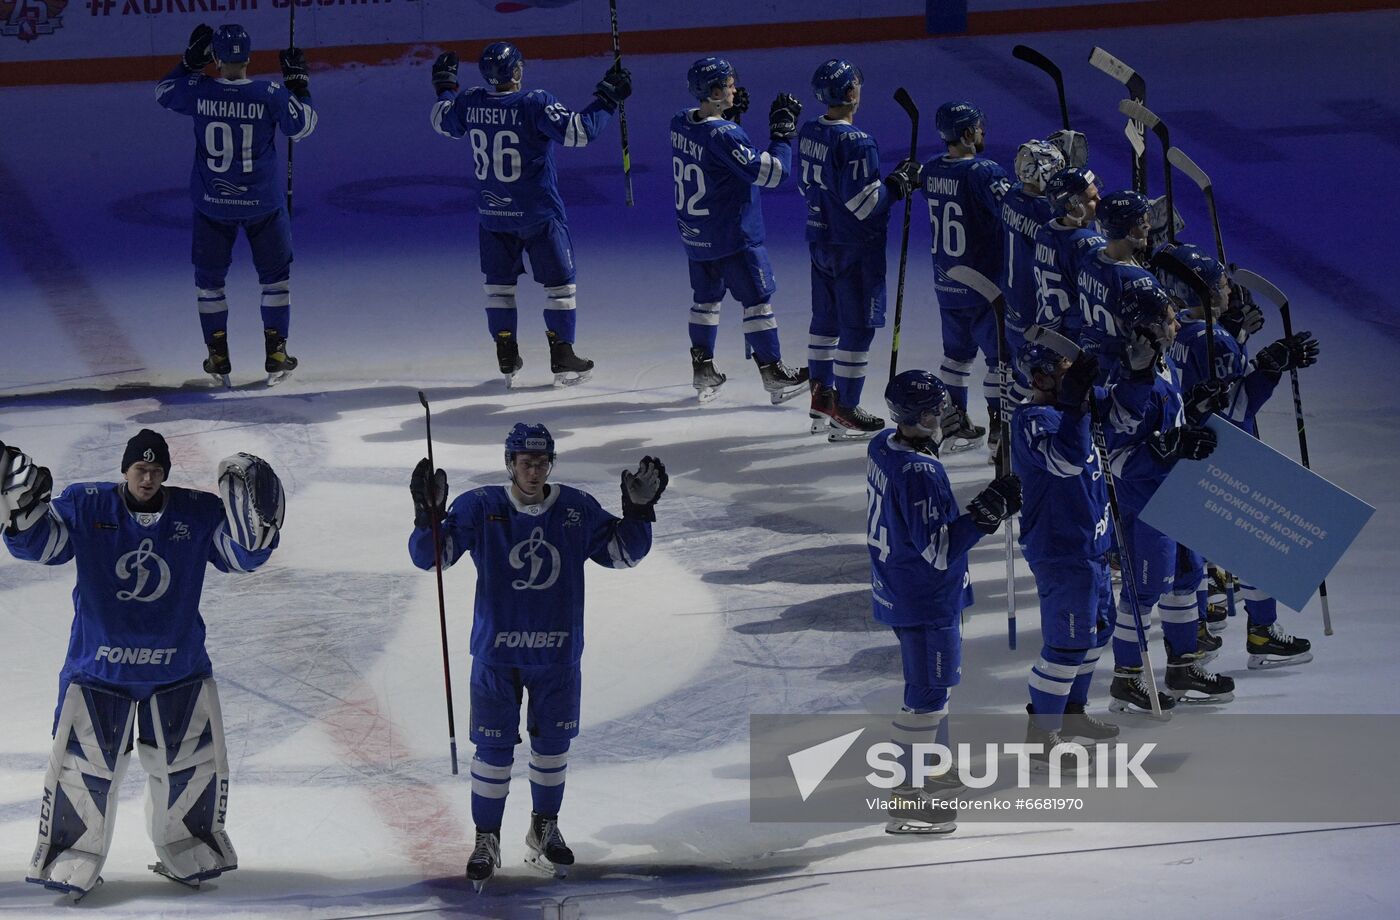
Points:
x=1037 y=161
x=1073 y=146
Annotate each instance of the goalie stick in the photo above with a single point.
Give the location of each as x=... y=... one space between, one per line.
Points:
x=1145 y=116
x=1137 y=89
x=291 y=144
x=906 y=102
x=1036 y=59
x=1067 y=349
x=1271 y=293
x=442 y=605
x=965 y=274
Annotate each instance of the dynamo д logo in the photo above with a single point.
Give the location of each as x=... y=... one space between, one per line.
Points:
x=134 y=565
x=543 y=561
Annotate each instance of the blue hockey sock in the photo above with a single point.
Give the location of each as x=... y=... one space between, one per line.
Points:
x=213 y=311
x=704 y=326
x=276 y=306
x=549 y=761
x=852 y=357
x=490 y=785
x=1052 y=679
x=1084 y=676
x=910 y=728
x=560 y=316
x=821 y=358
x=761 y=333
x=959 y=396
x=1261 y=609
x=1126 y=653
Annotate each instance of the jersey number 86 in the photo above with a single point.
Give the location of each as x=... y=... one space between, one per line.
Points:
x=498 y=156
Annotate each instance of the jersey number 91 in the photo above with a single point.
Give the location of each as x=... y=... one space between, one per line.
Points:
x=219 y=144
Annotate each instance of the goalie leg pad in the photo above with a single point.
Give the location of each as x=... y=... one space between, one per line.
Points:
x=90 y=753
x=182 y=750
x=253 y=500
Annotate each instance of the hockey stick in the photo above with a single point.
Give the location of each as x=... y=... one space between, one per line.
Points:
x=291 y=144
x=1137 y=89
x=442 y=605
x=965 y=274
x=906 y=102
x=1065 y=348
x=1145 y=116
x=621 y=109
x=1036 y=59
x=1271 y=293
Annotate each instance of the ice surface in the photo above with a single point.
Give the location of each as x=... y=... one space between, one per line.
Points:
x=756 y=596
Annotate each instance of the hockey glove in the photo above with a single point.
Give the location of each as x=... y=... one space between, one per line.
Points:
x=903 y=180
x=740 y=106
x=641 y=489
x=445 y=73
x=1182 y=444
x=782 y=117
x=994 y=504
x=1298 y=351
x=1242 y=317
x=1204 y=398
x=295 y=76
x=1141 y=349
x=429 y=494
x=25 y=490
x=1075 y=384
x=254 y=502
x=200 y=51
x=615 y=87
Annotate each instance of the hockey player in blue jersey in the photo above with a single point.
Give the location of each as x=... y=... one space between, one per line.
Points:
x=512 y=133
x=237 y=181
x=137 y=671
x=848 y=209
x=1105 y=276
x=718 y=173
x=1025 y=210
x=1152 y=427
x=1247 y=385
x=529 y=542
x=918 y=541
x=1065 y=540
x=1060 y=245
x=964 y=191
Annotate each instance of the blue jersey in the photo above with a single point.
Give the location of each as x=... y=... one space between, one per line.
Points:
x=512 y=137
x=136 y=622
x=529 y=567
x=237 y=172
x=718 y=173
x=1059 y=249
x=917 y=537
x=1250 y=387
x=1141 y=405
x=1101 y=281
x=847 y=203
x=1064 y=514
x=964 y=213
x=1023 y=216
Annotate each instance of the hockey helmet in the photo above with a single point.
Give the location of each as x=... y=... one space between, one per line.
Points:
x=954 y=119
x=707 y=73
x=498 y=63
x=1172 y=260
x=1033 y=357
x=834 y=80
x=1069 y=192
x=1120 y=213
x=231 y=44
x=913 y=396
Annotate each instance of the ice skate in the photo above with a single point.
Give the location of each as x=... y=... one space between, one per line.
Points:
x=916 y=812
x=852 y=423
x=1220 y=597
x=74 y=893
x=1130 y=694
x=548 y=851
x=1207 y=643
x=568 y=368
x=782 y=382
x=1070 y=763
x=1188 y=682
x=959 y=434
x=217 y=365
x=159 y=868
x=1079 y=724
x=1217 y=616
x=485 y=859
x=1271 y=647
x=822 y=407
x=705 y=377
x=508 y=357
x=278 y=364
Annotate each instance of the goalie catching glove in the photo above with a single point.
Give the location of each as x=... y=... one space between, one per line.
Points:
x=253 y=500
x=25 y=489
x=641 y=489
